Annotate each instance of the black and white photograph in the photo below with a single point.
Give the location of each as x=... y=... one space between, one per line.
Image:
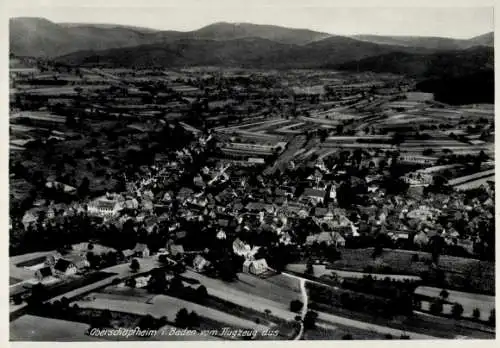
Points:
x=250 y=171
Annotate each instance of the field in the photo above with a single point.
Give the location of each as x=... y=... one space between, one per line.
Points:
x=32 y=262
x=16 y=269
x=327 y=331
x=33 y=328
x=13 y=281
x=460 y=272
x=321 y=270
x=469 y=301
x=162 y=305
x=244 y=292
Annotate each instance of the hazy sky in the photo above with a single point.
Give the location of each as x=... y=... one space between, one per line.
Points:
x=456 y=18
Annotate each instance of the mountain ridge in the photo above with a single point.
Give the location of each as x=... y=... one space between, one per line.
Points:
x=39 y=37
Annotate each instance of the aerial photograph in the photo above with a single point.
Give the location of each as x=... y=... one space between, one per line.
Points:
x=199 y=173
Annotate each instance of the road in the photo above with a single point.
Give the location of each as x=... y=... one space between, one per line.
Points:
x=286 y=156
x=305 y=301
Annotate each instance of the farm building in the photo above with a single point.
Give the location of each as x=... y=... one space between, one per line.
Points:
x=43 y=272
x=255 y=267
x=64 y=267
x=176 y=249
x=200 y=263
x=141 y=250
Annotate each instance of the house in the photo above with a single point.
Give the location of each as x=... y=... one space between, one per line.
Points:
x=43 y=273
x=64 y=267
x=256 y=267
x=51 y=260
x=320 y=212
x=330 y=238
x=28 y=219
x=338 y=240
x=141 y=250
x=421 y=239
x=315 y=195
x=200 y=263
x=104 y=207
x=176 y=249
x=221 y=235
x=127 y=254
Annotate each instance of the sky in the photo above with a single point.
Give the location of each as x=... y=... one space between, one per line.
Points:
x=457 y=19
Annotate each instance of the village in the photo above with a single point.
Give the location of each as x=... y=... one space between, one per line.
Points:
x=251 y=212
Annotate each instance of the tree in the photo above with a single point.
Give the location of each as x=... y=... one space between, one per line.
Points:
x=476 y=313
x=157 y=283
x=176 y=285
x=38 y=294
x=17 y=299
x=201 y=294
x=131 y=282
x=296 y=306
x=436 y=244
x=147 y=322
x=436 y=307
x=134 y=265
x=193 y=320
x=457 y=310
x=310 y=320
x=106 y=317
x=492 y=318
x=347 y=337
x=310 y=268
x=182 y=318
x=84 y=189
x=444 y=294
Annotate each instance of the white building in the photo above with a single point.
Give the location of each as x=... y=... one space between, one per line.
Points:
x=255 y=267
x=104 y=207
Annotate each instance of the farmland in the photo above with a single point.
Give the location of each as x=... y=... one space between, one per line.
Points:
x=244 y=292
x=34 y=328
x=162 y=305
x=469 y=301
x=321 y=270
x=456 y=269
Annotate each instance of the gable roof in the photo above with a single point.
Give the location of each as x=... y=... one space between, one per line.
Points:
x=176 y=249
x=45 y=271
x=62 y=265
x=139 y=247
x=127 y=252
x=309 y=192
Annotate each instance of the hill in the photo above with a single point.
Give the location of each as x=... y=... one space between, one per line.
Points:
x=242 y=52
x=487 y=39
x=428 y=42
x=455 y=77
x=184 y=52
x=447 y=63
x=228 y=31
x=42 y=38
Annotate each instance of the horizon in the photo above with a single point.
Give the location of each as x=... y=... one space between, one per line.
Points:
x=446 y=22
x=117 y=25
